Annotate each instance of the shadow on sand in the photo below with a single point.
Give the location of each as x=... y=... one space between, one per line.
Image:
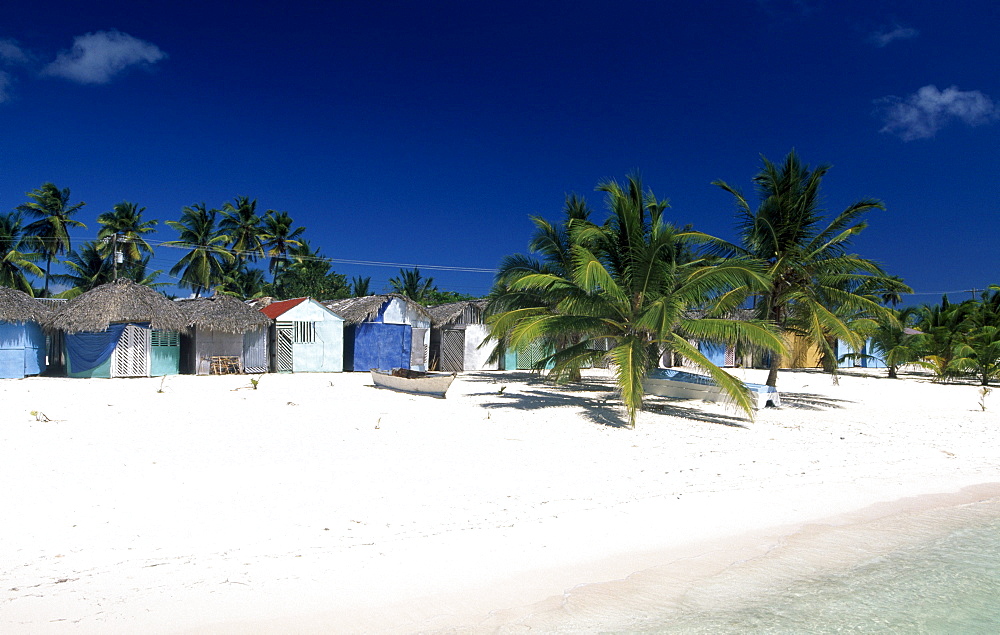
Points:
x=598 y=398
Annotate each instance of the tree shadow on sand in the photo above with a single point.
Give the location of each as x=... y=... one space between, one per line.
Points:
x=810 y=401
x=596 y=396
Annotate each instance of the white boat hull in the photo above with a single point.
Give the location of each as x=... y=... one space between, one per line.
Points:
x=701 y=387
x=417 y=383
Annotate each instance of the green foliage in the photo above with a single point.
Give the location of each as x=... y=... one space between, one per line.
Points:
x=278 y=238
x=309 y=275
x=202 y=268
x=413 y=285
x=50 y=232
x=360 y=287
x=815 y=287
x=124 y=228
x=632 y=281
x=242 y=281
x=242 y=224
x=17 y=260
x=87 y=267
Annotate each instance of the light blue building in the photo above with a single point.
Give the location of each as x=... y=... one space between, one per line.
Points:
x=306 y=337
x=22 y=342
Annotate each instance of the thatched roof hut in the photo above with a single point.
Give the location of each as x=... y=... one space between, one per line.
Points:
x=18 y=306
x=471 y=311
x=223 y=313
x=366 y=308
x=118 y=302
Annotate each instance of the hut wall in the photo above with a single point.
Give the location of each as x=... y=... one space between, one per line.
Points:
x=22 y=349
x=164 y=353
x=255 y=359
x=715 y=352
x=526 y=358
x=844 y=349
x=801 y=353
x=877 y=359
x=476 y=357
x=397 y=311
x=318 y=348
x=202 y=345
x=325 y=354
x=378 y=345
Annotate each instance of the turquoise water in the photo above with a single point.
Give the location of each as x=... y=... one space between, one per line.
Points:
x=950 y=584
x=933 y=571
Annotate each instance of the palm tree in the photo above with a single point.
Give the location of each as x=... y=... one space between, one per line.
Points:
x=360 y=287
x=202 y=266
x=895 y=339
x=630 y=281
x=242 y=281
x=15 y=259
x=411 y=284
x=812 y=277
x=278 y=238
x=243 y=226
x=978 y=352
x=87 y=268
x=942 y=326
x=124 y=229
x=51 y=207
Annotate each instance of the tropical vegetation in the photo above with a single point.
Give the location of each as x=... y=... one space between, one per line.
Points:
x=634 y=281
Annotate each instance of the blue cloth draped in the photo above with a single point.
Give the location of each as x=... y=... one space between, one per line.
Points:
x=89 y=350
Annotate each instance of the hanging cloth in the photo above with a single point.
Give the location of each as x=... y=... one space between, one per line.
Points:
x=89 y=350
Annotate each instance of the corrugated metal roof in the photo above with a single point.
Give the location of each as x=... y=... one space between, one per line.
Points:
x=276 y=309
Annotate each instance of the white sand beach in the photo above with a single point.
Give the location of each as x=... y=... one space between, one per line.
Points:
x=318 y=503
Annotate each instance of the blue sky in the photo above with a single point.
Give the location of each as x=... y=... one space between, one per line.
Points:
x=428 y=132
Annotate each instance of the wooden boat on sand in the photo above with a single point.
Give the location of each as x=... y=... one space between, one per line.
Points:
x=414 y=381
x=678 y=384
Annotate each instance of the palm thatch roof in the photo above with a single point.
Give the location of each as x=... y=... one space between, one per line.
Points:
x=223 y=313
x=18 y=306
x=118 y=301
x=445 y=314
x=357 y=310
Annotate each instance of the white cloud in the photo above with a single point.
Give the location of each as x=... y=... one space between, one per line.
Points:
x=923 y=113
x=884 y=38
x=5 y=82
x=11 y=53
x=97 y=57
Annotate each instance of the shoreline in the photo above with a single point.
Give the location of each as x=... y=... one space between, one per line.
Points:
x=320 y=502
x=583 y=595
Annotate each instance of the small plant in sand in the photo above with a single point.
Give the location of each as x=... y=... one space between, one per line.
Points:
x=253 y=383
x=163 y=383
x=983 y=393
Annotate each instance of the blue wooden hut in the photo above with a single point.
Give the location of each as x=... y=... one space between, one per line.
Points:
x=22 y=342
x=120 y=329
x=384 y=332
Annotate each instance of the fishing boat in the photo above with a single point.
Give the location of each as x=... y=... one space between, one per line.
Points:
x=414 y=381
x=679 y=384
